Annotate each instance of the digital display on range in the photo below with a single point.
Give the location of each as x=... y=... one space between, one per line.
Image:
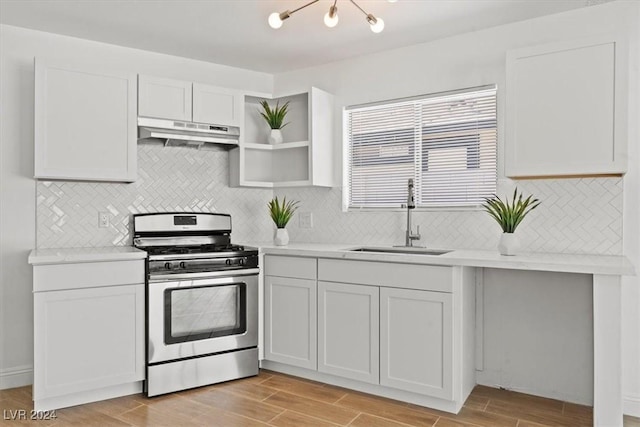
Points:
x=185 y=220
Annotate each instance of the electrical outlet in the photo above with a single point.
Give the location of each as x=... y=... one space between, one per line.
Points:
x=103 y=219
x=305 y=220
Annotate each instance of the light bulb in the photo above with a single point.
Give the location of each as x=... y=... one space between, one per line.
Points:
x=392 y=1
x=331 y=17
x=378 y=26
x=274 y=20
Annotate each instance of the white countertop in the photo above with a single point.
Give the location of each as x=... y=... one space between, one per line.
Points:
x=569 y=263
x=76 y=255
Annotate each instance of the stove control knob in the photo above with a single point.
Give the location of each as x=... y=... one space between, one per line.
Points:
x=227 y=261
x=241 y=261
x=167 y=265
x=182 y=265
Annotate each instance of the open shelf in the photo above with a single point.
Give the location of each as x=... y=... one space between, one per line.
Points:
x=304 y=158
x=277 y=165
x=297 y=129
x=283 y=146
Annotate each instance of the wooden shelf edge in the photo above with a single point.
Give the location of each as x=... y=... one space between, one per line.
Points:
x=568 y=176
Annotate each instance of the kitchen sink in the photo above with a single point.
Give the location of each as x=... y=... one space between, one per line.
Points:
x=400 y=250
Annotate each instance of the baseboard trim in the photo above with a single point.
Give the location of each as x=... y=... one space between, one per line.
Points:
x=631 y=405
x=18 y=376
x=80 y=398
x=450 y=406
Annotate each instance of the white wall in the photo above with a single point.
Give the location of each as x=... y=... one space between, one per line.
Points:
x=18 y=47
x=476 y=59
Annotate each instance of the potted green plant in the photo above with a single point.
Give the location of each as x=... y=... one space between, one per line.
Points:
x=275 y=119
x=281 y=213
x=509 y=216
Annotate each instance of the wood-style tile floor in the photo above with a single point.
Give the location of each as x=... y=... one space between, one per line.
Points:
x=273 y=399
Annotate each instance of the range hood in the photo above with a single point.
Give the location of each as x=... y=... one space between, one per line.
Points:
x=174 y=132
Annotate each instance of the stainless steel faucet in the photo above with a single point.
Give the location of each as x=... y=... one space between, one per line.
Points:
x=411 y=204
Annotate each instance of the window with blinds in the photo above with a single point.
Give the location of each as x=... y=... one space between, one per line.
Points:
x=446 y=142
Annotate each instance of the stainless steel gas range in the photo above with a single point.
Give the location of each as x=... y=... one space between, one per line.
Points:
x=202 y=301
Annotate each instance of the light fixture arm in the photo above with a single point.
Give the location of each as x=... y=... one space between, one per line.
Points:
x=356 y=5
x=333 y=10
x=289 y=13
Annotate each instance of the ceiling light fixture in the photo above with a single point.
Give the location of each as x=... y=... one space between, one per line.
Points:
x=330 y=18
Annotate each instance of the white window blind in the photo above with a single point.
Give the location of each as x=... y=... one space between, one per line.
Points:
x=446 y=142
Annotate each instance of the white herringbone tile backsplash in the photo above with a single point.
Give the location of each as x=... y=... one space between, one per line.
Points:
x=576 y=216
x=169 y=179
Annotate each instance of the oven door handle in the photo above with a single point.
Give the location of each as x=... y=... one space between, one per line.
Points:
x=203 y=275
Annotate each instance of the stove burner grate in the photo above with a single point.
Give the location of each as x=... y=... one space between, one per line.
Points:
x=170 y=250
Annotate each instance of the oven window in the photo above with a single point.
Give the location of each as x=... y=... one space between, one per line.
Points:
x=202 y=312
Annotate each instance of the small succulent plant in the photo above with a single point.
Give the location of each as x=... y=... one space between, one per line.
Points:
x=274 y=116
x=281 y=212
x=510 y=215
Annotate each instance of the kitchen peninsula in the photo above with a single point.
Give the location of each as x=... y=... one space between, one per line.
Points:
x=606 y=272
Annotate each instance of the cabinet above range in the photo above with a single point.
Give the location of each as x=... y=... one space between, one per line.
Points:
x=185 y=113
x=164 y=98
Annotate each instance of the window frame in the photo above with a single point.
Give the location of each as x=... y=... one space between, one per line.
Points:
x=346 y=161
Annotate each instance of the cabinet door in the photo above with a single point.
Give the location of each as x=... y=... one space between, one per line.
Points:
x=86 y=339
x=416 y=345
x=85 y=123
x=216 y=105
x=164 y=98
x=290 y=321
x=566 y=109
x=348 y=332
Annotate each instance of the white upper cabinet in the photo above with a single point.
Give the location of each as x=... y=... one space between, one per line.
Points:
x=186 y=101
x=85 y=123
x=164 y=98
x=566 y=109
x=218 y=105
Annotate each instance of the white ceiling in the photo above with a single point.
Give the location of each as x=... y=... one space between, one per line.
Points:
x=236 y=33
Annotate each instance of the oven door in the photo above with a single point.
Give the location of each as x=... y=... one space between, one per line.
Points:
x=196 y=317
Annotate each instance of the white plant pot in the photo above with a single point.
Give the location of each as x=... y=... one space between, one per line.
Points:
x=509 y=244
x=275 y=137
x=281 y=237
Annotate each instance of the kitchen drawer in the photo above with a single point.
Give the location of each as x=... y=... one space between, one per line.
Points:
x=54 y=277
x=393 y=275
x=290 y=266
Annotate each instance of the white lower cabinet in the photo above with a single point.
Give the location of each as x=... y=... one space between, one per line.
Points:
x=88 y=338
x=402 y=331
x=290 y=321
x=416 y=341
x=348 y=332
